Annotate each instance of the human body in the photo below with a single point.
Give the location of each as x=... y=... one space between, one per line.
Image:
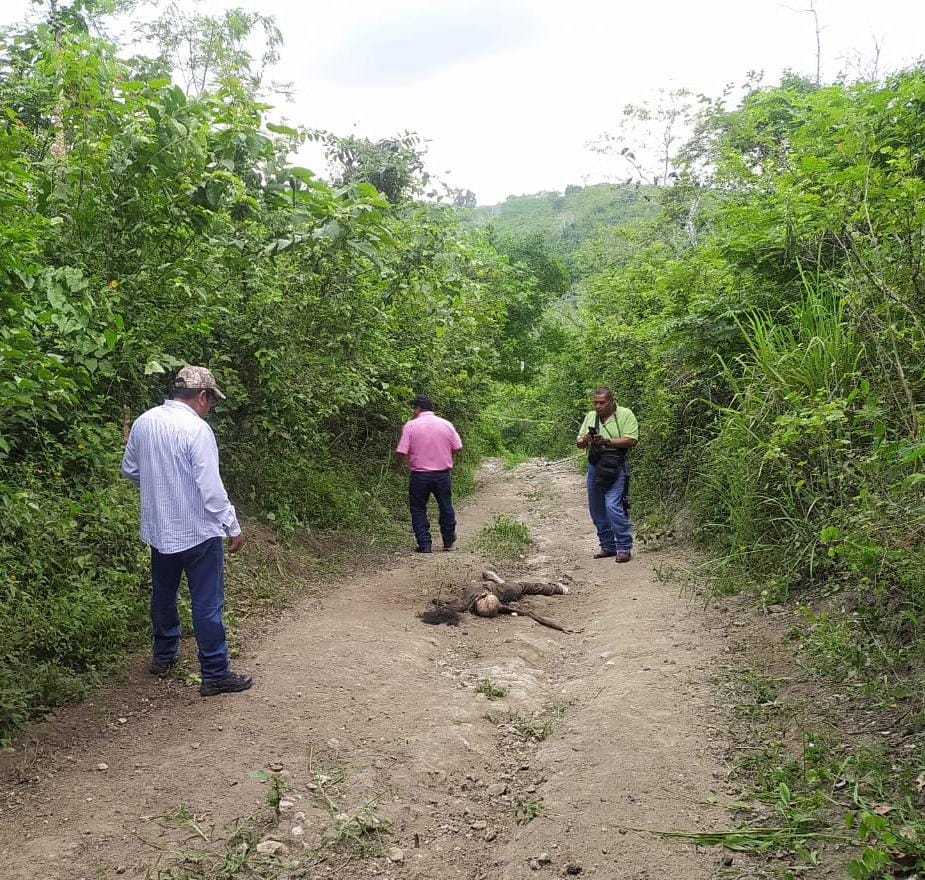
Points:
x=428 y=446
x=172 y=456
x=608 y=432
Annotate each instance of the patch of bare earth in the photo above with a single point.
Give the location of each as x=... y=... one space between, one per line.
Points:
x=389 y=763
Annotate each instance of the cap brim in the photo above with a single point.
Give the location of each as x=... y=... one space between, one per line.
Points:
x=214 y=389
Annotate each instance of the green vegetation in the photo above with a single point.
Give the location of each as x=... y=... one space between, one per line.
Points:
x=565 y=222
x=146 y=223
x=272 y=841
x=526 y=811
x=503 y=538
x=537 y=727
x=356 y=834
x=756 y=295
x=766 y=322
x=491 y=691
x=195 y=850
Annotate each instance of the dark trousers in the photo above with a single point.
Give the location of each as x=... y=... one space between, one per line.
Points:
x=204 y=565
x=608 y=512
x=421 y=486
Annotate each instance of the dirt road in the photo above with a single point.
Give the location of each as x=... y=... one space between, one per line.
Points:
x=389 y=762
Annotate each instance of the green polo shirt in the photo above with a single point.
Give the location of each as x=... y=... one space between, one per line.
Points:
x=621 y=424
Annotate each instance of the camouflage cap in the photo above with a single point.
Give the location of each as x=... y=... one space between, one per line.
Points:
x=198 y=378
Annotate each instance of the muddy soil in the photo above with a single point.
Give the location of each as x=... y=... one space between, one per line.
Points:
x=389 y=761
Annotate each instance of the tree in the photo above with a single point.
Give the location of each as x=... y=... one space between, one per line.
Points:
x=650 y=135
x=395 y=166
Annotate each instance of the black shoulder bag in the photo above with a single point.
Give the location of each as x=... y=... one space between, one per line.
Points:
x=608 y=462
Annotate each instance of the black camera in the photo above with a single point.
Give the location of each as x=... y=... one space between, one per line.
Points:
x=592 y=431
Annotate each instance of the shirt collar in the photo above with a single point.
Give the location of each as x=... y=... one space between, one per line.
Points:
x=179 y=404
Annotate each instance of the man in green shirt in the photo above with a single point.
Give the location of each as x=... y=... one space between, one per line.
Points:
x=608 y=432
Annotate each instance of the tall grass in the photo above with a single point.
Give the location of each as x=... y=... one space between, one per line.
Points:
x=791 y=443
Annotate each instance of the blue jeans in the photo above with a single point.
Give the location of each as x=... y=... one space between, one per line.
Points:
x=421 y=486
x=204 y=565
x=614 y=530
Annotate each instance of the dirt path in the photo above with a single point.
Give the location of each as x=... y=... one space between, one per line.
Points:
x=370 y=717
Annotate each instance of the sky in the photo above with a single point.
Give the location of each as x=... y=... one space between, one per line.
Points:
x=509 y=93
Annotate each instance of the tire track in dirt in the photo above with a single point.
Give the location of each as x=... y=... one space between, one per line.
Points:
x=357 y=701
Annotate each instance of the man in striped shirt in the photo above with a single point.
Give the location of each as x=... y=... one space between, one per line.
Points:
x=185 y=515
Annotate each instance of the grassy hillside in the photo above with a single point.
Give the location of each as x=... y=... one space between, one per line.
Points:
x=565 y=220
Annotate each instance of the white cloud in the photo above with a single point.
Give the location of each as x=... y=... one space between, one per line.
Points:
x=404 y=45
x=509 y=92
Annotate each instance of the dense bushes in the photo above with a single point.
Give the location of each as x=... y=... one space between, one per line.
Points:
x=143 y=226
x=763 y=316
x=767 y=328
x=773 y=346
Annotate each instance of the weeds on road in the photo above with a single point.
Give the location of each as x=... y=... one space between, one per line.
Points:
x=513 y=458
x=277 y=787
x=357 y=834
x=863 y=797
x=757 y=695
x=262 y=846
x=210 y=853
x=536 y=729
x=503 y=538
x=490 y=690
x=526 y=811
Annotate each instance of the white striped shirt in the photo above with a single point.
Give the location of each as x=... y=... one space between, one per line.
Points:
x=172 y=455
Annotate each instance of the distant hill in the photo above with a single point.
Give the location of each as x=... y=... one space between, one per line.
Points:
x=565 y=220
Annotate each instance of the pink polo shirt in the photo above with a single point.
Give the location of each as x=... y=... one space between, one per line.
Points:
x=429 y=441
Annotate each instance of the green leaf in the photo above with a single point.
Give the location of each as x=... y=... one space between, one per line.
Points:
x=363 y=248
x=282 y=129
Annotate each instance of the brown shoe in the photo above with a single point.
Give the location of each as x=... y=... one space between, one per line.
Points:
x=605 y=554
x=621 y=556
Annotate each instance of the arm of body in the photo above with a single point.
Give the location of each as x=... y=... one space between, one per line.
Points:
x=129 y=467
x=204 y=460
x=403 y=450
x=584 y=439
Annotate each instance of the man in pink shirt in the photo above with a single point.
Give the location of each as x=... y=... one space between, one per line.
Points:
x=428 y=445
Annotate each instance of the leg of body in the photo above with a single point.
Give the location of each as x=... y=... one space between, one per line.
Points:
x=616 y=513
x=443 y=492
x=166 y=571
x=205 y=571
x=418 y=493
x=598 y=510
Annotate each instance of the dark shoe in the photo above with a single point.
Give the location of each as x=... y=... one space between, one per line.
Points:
x=621 y=556
x=605 y=554
x=230 y=684
x=161 y=667
x=423 y=550
x=448 y=546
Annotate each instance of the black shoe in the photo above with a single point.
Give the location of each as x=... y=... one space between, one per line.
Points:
x=161 y=667
x=230 y=684
x=448 y=545
x=423 y=550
